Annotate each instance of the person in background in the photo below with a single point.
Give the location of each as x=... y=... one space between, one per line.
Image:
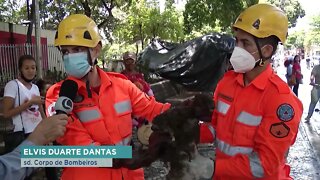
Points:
x=129 y=60
x=22 y=102
x=296 y=71
x=289 y=71
x=315 y=92
x=46 y=131
x=308 y=62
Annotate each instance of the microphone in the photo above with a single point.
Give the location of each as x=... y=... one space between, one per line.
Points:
x=68 y=93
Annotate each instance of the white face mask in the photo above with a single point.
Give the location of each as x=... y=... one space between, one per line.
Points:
x=242 y=61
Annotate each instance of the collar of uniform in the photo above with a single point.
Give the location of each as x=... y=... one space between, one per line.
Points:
x=104 y=78
x=260 y=81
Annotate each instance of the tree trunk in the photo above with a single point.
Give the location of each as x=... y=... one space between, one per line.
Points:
x=86 y=7
x=30 y=27
x=141 y=35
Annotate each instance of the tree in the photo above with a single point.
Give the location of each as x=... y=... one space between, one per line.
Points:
x=292 y=8
x=295 y=40
x=101 y=11
x=213 y=13
x=11 y=11
x=313 y=36
x=144 y=21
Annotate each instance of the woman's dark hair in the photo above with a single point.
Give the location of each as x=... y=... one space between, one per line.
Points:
x=295 y=57
x=23 y=58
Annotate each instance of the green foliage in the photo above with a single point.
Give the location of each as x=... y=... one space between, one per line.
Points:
x=54 y=11
x=11 y=11
x=205 y=30
x=213 y=13
x=55 y=76
x=292 y=8
x=115 y=51
x=313 y=37
x=316 y=24
x=295 y=40
x=145 y=21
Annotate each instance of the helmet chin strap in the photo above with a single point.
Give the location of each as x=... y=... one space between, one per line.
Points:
x=86 y=76
x=262 y=60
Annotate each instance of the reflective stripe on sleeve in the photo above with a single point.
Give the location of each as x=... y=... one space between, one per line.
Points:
x=255 y=165
x=232 y=150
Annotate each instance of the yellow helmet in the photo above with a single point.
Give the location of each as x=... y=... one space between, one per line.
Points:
x=263 y=20
x=77 y=30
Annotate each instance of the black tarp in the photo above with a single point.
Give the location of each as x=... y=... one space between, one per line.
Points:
x=197 y=64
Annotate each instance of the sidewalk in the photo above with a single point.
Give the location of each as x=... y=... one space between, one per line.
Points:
x=302 y=158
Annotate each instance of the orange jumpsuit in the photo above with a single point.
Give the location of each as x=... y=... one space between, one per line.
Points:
x=254 y=125
x=104 y=119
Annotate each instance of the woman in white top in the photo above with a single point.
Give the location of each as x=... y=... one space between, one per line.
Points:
x=23 y=103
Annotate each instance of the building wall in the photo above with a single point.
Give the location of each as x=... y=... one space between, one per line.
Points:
x=12 y=46
x=19 y=32
x=315 y=50
x=15 y=38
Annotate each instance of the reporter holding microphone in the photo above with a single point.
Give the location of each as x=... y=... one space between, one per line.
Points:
x=47 y=131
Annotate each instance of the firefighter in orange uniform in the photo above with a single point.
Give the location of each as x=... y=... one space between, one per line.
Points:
x=257 y=116
x=105 y=102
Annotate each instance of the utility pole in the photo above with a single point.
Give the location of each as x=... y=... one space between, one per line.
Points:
x=38 y=39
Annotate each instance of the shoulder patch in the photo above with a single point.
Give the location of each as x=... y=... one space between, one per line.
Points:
x=118 y=75
x=282 y=86
x=285 y=112
x=279 y=130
